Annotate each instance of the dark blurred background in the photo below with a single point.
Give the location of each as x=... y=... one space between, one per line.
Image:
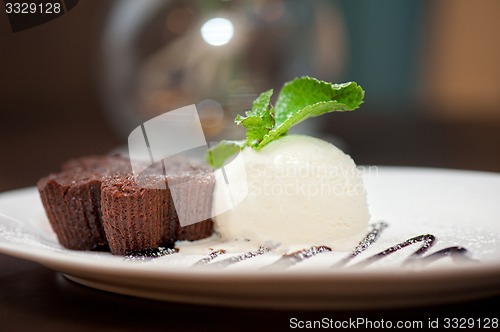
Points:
x=80 y=83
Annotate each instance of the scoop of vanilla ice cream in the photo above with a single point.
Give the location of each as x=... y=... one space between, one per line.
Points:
x=301 y=190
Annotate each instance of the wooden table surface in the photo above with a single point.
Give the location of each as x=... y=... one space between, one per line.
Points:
x=33 y=297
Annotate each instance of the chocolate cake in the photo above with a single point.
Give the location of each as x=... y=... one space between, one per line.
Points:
x=95 y=201
x=133 y=217
x=189 y=202
x=189 y=183
x=72 y=203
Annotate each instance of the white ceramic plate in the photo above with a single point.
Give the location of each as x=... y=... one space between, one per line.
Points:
x=459 y=208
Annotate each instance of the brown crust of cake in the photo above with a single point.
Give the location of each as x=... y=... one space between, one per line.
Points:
x=171 y=225
x=73 y=209
x=133 y=217
x=196 y=231
x=192 y=201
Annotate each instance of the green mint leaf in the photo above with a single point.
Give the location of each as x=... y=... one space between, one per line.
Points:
x=225 y=149
x=300 y=99
x=259 y=120
x=297 y=117
x=305 y=91
x=308 y=97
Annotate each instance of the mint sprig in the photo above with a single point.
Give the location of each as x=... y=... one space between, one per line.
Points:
x=222 y=151
x=298 y=100
x=259 y=121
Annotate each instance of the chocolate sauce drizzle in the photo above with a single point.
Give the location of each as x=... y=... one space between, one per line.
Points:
x=370 y=238
x=211 y=256
x=250 y=254
x=148 y=254
x=428 y=241
x=456 y=253
x=288 y=260
x=416 y=258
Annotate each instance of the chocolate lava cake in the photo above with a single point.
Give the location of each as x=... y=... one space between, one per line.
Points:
x=95 y=202
x=133 y=217
x=72 y=203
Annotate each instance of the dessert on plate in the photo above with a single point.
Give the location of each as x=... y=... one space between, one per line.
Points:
x=301 y=190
